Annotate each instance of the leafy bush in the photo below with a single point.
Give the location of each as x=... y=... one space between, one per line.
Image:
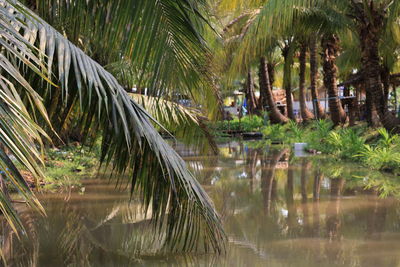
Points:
x=381 y=158
x=345 y=143
x=247 y=124
x=275 y=132
x=296 y=133
x=386 y=139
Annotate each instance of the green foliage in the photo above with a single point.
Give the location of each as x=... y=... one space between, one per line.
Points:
x=377 y=149
x=381 y=158
x=68 y=165
x=296 y=132
x=275 y=132
x=387 y=140
x=345 y=143
x=247 y=124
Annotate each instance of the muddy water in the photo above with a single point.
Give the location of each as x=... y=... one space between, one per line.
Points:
x=278 y=210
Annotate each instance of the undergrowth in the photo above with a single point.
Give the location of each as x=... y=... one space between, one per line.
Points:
x=376 y=148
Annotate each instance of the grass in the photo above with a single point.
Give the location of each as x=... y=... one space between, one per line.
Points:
x=67 y=166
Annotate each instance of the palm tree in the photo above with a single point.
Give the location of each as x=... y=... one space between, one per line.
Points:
x=330 y=47
x=265 y=87
x=319 y=111
x=372 y=20
x=305 y=112
x=287 y=53
x=250 y=95
x=34 y=51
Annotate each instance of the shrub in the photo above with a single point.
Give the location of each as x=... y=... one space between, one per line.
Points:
x=275 y=132
x=345 y=143
x=386 y=139
x=381 y=158
x=247 y=124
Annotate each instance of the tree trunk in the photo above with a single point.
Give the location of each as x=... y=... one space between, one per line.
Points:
x=263 y=96
x=319 y=110
x=251 y=99
x=271 y=74
x=304 y=111
x=330 y=46
x=385 y=76
x=371 y=112
x=268 y=100
x=370 y=25
x=287 y=81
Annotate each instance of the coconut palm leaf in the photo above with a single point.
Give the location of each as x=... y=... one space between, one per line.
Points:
x=160 y=38
x=19 y=135
x=185 y=123
x=171 y=195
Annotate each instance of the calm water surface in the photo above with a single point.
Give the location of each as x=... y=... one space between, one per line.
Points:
x=278 y=210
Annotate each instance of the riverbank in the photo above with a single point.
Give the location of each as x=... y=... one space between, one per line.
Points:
x=66 y=166
x=374 y=148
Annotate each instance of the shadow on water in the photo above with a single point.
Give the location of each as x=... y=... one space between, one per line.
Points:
x=277 y=210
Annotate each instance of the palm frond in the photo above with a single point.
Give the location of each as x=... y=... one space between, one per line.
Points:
x=20 y=136
x=185 y=123
x=176 y=201
x=161 y=38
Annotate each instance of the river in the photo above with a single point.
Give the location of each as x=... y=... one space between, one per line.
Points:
x=277 y=210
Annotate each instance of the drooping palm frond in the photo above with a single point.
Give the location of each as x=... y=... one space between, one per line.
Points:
x=169 y=192
x=160 y=38
x=20 y=136
x=185 y=123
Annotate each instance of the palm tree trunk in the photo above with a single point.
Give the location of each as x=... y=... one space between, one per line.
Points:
x=370 y=26
x=287 y=81
x=268 y=100
x=319 y=110
x=251 y=99
x=385 y=76
x=330 y=46
x=305 y=112
x=271 y=74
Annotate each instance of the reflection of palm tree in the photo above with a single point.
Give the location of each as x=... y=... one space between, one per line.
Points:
x=268 y=177
x=333 y=221
x=376 y=220
x=305 y=165
x=375 y=223
x=251 y=165
x=19 y=252
x=316 y=191
x=291 y=217
x=333 y=210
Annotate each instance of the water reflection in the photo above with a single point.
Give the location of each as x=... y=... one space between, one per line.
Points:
x=277 y=210
x=307 y=211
